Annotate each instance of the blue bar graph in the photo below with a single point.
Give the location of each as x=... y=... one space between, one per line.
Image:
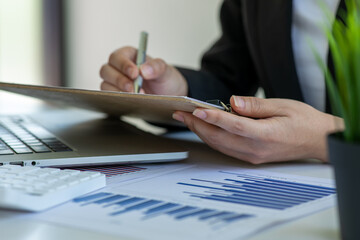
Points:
x=215 y=214
x=196 y=213
x=161 y=208
x=120 y=205
x=110 y=199
x=236 y=217
x=256 y=191
x=128 y=201
x=136 y=207
x=181 y=210
x=91 y=197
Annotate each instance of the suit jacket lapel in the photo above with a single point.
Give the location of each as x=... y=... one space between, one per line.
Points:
x=275 y=43
x=269 y=26
x=250 y=19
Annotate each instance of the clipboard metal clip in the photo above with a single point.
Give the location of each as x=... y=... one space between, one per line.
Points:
x=226 y=107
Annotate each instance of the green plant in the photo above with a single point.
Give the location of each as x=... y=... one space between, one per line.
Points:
x=344 y=87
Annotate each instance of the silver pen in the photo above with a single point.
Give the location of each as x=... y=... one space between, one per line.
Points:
x=140 y=59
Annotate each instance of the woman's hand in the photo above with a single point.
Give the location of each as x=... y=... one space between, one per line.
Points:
x=266 y=130
x=159 y=78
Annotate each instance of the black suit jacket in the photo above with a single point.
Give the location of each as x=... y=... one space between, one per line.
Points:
x=255 y=50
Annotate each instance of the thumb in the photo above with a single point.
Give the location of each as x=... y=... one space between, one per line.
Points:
x=153 y=68
x=255 y=107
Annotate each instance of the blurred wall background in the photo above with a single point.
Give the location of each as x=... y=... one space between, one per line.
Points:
x=65 y=42
x=179 y=32
x=21 y=41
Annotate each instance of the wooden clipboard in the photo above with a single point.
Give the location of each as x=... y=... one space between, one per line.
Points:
x=154 y=108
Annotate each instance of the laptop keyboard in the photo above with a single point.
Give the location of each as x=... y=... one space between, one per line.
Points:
x=20 y=135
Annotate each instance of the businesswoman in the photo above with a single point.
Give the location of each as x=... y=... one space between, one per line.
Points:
x=264 y=43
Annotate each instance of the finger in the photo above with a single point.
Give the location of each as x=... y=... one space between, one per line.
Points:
x=258 y=107
x=226 y=142
x=235 y=124
x=108 y=87
x=153 y=68
x=208 y=132
x=115 y=78
x=124 y=61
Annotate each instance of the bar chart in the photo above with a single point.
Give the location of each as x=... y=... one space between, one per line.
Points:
x=119 y=205
x=205 y=203
x=256 y=191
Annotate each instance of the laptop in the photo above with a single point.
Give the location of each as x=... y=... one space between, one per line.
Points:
x=75 y=137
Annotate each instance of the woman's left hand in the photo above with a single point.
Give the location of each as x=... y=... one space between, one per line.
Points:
x=265 y=130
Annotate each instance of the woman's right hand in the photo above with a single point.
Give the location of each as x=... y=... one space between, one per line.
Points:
x=158 y=77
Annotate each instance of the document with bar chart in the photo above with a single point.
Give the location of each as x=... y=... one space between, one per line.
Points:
x=197 y=203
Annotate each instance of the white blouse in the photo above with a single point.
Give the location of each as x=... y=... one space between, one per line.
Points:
x=308 y=17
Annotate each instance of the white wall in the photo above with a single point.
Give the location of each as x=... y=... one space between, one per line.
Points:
x=21 y=41
x=179 y=31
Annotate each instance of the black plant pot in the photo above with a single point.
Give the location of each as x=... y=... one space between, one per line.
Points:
x=345 y=157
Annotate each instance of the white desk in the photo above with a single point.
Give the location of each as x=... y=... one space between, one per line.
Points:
x=322 y=225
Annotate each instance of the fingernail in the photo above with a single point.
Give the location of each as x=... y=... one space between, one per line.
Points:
x=200 y=114
x=128 y=87
x=147 y=70
x=178 y=117
x=239 y=102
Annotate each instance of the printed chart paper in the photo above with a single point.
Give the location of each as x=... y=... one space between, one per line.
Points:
x=196 y=203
